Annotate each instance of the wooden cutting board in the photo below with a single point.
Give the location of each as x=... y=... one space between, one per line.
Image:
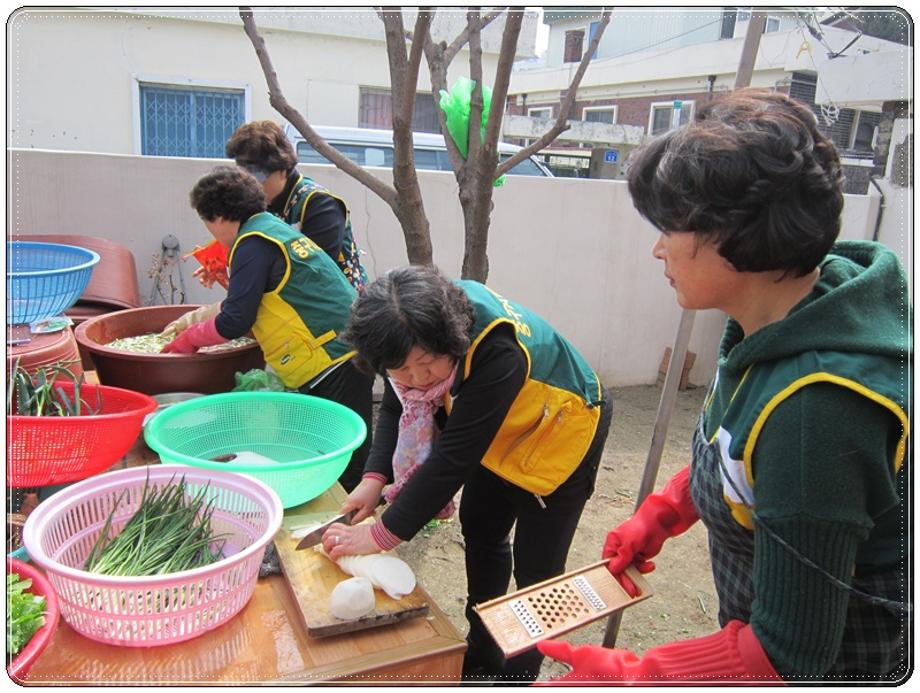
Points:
x=312 y=577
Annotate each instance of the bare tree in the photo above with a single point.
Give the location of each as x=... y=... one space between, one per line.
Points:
x=475 y=174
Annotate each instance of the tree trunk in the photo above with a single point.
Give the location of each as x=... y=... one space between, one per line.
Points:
x=410 y=208
x=476 y=222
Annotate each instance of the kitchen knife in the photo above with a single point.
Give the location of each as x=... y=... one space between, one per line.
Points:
x=316 y=536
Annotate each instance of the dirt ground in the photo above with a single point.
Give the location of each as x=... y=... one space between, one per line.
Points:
x=684 y=602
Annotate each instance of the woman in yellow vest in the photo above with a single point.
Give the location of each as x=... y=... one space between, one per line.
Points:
x=485 y=395
x=286 y=290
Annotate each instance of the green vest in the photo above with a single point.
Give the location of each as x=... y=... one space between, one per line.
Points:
x=298 y=323
x=349 y=260
x=766 y=385
x=554 y=417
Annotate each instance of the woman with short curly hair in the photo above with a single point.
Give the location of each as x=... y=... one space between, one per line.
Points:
x=799 y=463
x=481 y=394
x=286 y=290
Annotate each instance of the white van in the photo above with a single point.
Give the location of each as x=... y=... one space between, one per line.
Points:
x=375 y=148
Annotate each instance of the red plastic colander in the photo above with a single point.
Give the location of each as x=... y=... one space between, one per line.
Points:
x=45 y=450
x=41 y=587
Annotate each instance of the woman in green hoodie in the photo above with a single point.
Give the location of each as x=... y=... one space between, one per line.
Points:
x=800 y=458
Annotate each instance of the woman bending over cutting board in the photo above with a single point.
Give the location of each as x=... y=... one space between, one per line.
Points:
x=286 y=290
x=481 y=394
x=799 y=460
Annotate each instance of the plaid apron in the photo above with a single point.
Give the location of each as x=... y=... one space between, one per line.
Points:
x=874 y=645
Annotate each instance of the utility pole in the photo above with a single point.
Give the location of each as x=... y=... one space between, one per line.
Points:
x=682 y=340
x=749 y=50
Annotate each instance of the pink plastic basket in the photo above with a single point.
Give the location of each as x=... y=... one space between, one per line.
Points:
x=156 y=610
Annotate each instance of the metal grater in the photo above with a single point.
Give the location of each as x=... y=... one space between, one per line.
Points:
x=548 y=609
x=592 y=597
x=526 y=618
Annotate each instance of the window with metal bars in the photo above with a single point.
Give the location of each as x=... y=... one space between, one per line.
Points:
x=188 y=121
x=803 y=88
x=375 y=110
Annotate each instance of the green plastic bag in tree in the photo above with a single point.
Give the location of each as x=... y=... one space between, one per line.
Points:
x=456 y=107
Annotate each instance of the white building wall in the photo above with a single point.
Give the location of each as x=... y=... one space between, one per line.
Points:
x=634 y=30
x=575 y=251
x=681 y=69
x=72 y=72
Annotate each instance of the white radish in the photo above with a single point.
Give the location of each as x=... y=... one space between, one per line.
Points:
x=250 y=457
x=352 y=598
x=392 y=575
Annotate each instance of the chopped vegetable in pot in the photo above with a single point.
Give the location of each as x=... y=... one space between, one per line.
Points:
x=153 y=343
x=25 y=613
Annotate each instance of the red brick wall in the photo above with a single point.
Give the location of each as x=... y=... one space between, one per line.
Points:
x=634 y=111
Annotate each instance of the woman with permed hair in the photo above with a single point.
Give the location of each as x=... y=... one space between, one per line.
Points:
x=481 y=394
x=262 y=148
x=286 y=290
x=800 y=460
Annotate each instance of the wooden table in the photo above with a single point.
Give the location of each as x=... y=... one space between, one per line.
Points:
x=266 y=643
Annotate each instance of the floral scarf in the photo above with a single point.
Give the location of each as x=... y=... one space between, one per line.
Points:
x=417 y=433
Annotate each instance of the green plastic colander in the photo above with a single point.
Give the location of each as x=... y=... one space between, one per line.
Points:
x=307 y=441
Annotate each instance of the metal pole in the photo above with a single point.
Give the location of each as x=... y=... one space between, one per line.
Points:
x=679 y=350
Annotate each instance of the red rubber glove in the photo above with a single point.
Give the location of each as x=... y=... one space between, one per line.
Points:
x=660 y=516
x=732 y=656
x=192 y=338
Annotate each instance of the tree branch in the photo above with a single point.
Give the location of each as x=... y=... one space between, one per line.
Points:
x=502 y=80
x=566 y=106
x=278 y=101
x=463 y=37
x=399 y=66
x=474 y=131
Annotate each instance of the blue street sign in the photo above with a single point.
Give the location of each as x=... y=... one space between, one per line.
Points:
x=611 y=156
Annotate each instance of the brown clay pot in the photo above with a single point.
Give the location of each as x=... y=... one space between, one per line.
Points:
x=45 y=350
x=82 y=311
x=154 y=374
x=114 y=280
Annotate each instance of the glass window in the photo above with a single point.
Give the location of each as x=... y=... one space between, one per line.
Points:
x=661 y=120
x=182 y=121
x=546 y=112
x=592 y=30
x=663 y=113
x=427 y=160
x=307 y=155
x=864 y=130
x=729 y=15
x=599 y=115
x=375 y=110
x=526 y=168
x=361 y=154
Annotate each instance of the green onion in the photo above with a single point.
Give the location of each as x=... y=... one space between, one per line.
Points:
x=39 y=395
x=169 y=532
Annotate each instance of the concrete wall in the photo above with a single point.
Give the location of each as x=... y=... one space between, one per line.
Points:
x=575 y=251
x=72 y=73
